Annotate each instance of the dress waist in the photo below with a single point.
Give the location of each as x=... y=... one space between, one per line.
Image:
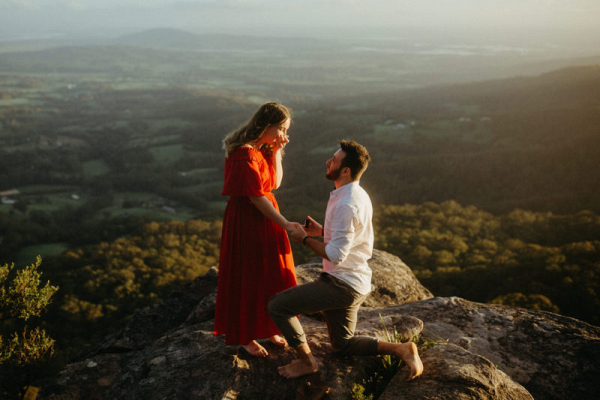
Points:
x=246 y=199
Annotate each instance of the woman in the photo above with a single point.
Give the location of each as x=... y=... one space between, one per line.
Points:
x=256 y=259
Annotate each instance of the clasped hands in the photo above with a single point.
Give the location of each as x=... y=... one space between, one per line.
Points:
x=282 y=141
x=298 y=231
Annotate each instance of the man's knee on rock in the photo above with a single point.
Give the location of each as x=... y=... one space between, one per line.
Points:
x=340 y=347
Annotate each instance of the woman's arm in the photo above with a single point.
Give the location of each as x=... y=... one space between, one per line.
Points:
x=265 y=207
x=277 y=156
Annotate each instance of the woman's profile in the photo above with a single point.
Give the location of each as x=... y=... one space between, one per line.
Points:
x=255 y=256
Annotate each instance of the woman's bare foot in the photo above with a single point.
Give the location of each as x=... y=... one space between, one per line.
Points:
x=278 y=340
x=299 y=368
x=255 y=349
x=409 y=353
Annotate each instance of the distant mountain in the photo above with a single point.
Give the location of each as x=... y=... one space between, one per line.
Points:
x=179 y=39
x=161 y=37
x=571 y=87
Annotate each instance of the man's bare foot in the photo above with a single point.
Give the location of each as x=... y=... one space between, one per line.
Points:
x=409 y=353
x=278 y=340
x=299 y=368
x=255 y=349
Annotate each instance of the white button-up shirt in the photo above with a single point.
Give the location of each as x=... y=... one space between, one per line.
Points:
x=349 y=236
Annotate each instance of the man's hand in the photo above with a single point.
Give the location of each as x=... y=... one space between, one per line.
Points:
x=297 y=233
x=314 y=228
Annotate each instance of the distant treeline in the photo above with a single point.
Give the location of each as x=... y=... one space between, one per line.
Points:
x=102 y=285
x=526 y=259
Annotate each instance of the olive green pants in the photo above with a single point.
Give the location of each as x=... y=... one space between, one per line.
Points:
x=339 y=304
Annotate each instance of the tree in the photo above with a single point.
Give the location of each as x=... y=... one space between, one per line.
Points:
x=22 y=297
x=530 y=301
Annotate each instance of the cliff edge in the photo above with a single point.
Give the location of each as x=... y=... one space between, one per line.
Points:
x=488 y=351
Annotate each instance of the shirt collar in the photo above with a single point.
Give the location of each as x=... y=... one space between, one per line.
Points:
x=342 y=190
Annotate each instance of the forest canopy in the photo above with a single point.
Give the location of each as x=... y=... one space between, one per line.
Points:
x=522 y=258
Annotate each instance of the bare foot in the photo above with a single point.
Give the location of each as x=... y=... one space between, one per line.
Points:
x=255 y=349
x=299 y=368
x=410 y=355
x=278 y=340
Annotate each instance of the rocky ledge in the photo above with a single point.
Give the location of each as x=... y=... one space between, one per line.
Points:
x=486 y=351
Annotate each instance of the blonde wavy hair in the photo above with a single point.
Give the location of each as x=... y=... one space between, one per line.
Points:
x=268 y=115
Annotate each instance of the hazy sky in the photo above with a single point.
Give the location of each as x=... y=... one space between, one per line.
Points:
x=577 y=19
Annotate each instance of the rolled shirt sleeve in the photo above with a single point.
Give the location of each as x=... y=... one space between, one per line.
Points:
x=342 y=230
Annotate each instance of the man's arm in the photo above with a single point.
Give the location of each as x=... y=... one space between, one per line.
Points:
x=316 y=246
x=338 y=248
x=341 y=228
x=299 y=235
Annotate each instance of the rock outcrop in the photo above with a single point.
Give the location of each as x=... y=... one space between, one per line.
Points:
x=393 y=281
x=552 y=356
x=168 y=351
x=455 y=373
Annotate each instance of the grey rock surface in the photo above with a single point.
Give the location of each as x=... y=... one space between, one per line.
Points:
x=450 y=372
x=492 y=352
x=552 y=356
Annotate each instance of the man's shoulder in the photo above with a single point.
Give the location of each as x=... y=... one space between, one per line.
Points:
x=354 y=197
x=359 y=195
x=355 y=201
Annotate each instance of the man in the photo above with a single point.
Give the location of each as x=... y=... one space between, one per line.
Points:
x=346 y=280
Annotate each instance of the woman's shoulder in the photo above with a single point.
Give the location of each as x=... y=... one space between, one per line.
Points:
x=244 y=153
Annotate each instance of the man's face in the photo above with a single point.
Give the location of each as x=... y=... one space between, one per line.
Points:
x=334 y=165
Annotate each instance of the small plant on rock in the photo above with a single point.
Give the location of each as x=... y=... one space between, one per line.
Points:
x=372 y=387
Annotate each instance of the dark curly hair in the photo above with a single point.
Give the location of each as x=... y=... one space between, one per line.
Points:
x=357 y=158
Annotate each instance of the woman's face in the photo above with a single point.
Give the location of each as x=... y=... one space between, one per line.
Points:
x=276 y=135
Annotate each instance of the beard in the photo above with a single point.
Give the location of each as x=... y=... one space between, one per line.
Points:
x=334 y=174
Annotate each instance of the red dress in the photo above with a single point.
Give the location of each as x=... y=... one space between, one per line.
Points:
x=255 y=257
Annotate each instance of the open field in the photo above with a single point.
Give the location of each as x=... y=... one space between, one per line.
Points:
x=167 y=153
x=95 y=167
x=27 y=255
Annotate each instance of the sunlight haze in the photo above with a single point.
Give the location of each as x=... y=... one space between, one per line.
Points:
x=571 y=22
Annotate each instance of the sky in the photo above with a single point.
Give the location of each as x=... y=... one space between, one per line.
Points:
x=575 y=20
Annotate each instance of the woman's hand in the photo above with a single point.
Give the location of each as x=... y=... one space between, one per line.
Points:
x=296 y=231
x=281 y=142
x=267 y=150
x=291 y=226
x=271 y=149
